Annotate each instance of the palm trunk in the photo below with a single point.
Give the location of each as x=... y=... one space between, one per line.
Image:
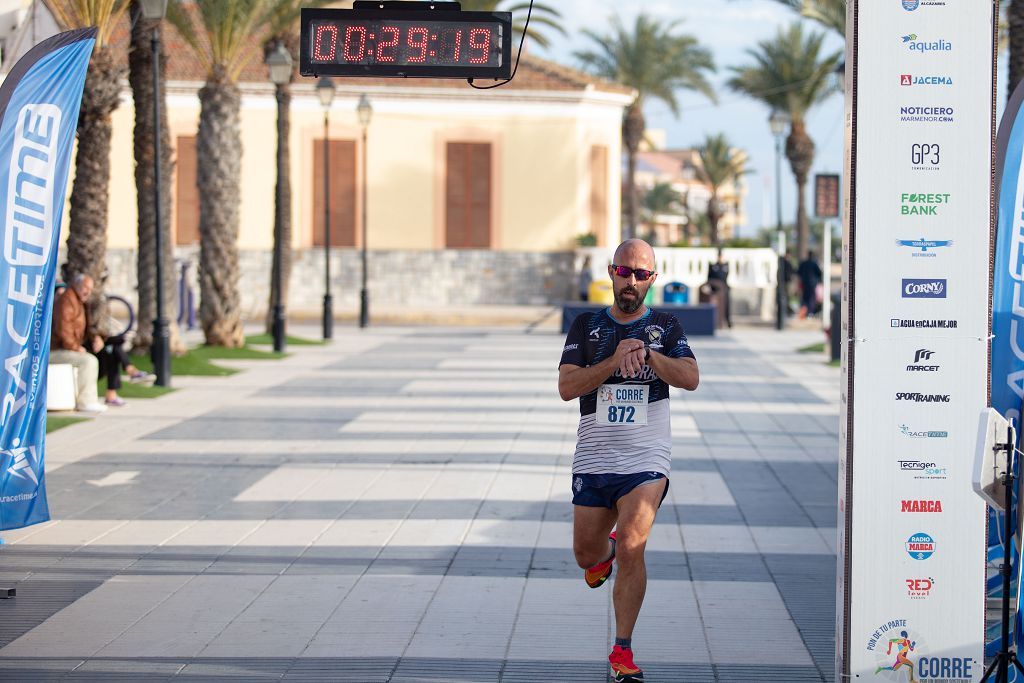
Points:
x=1015 y=22
x=282 y=204
x=219 y=156
x=140 y=76
x=800 y=153
x=87 y=232
x=714 y=215
x=633 y=125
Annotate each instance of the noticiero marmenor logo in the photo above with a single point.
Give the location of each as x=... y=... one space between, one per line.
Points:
x=902 y=653
x=918 y=114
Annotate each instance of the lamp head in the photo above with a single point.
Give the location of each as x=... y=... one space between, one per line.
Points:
x=778 y=122
x=365 y=110
x=153 y=10
x=325 y=91
x=279 y=63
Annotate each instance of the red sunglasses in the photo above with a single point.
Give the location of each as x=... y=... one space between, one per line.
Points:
x=625 y=271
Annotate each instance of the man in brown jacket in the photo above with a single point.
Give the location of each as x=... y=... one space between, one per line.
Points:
x=66 y=343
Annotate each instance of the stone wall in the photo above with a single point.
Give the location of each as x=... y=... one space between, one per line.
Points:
x=396 y=278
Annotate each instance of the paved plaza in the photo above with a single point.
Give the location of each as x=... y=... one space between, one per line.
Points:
x=395 y=507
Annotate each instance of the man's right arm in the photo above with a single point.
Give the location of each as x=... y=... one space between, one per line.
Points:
x=575 y=381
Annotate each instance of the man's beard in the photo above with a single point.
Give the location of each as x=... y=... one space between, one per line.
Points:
x=625 y=304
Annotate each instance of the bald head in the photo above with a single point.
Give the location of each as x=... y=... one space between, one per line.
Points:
x=637 y=252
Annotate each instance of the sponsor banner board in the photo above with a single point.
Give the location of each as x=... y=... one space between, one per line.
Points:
x=918 y=232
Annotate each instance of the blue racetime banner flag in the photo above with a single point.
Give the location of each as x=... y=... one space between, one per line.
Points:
x=39 y=102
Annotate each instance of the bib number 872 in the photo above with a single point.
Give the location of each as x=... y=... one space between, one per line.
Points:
x=621 y=413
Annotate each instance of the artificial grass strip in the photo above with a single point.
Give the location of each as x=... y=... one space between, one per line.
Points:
x=128 y=390
x=813 y=348
x=55 y=422
x=267 y=340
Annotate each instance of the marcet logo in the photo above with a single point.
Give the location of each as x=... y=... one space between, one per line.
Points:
x=922 y=204
x=919 y=357
x=910 y=79
x=915 y=288
x=908 y=432
x=921 y=506
x=920 y=546
x=918 y=114
x=922 y=246
x=915 y=45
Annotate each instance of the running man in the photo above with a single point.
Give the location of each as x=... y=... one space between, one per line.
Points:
x=620 y=363
x=904 y=646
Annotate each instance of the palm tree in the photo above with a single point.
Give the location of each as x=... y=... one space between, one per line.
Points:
x=140 y=76
x=221 y=33
x=722 y=165
x=789 y=73
x=656 y=63
x=87 y=231
x=544 y=15
x=829 y=13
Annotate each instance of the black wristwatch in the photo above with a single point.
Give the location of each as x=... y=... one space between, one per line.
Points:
x=647 y=352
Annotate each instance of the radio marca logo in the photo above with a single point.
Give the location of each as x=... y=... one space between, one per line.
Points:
x=902 y=654
x=920 y=546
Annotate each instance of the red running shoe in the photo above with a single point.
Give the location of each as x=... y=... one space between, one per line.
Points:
x=595 y=576
x=623 y=668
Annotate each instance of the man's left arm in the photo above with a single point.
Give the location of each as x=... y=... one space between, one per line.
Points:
x=681 y=373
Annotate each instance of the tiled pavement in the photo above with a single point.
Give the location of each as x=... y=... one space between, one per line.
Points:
x=395 y=507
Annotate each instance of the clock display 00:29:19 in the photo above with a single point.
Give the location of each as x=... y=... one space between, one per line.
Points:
x=406 y=43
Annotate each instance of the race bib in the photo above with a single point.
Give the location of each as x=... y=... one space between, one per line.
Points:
x=622 y=404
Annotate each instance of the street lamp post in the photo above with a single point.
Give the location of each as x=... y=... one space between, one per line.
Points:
x=279 y=63
x=365 y=114
x=325 y=90
x=160 y=352
x=778 y=122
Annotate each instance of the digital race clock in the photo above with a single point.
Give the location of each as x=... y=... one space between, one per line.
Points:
x=406 y=39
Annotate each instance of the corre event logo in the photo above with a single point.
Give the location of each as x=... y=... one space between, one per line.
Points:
x=902 y=654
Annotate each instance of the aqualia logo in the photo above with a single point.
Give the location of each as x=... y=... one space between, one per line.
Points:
x=937 y=45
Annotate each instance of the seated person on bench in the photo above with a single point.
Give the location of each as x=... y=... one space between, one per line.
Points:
x=68 y=339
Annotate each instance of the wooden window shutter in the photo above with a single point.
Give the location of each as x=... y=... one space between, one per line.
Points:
x=186 y=210
x=468 y=195
x=599 y=191
x=342 y=157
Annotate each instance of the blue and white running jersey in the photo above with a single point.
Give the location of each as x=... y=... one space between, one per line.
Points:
x=624 y=448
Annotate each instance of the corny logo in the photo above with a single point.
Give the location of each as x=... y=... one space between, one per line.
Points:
x=920 y=546
x=916 y=288
x=922 y=246
x=902 y=653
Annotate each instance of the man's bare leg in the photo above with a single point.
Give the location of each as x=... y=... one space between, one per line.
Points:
x=590 y=529
x=637 y=510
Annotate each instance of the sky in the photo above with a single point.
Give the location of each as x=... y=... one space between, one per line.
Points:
x=728 y=28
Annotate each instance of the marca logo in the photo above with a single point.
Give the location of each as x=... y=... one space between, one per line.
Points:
x=925 y=156
x=909 y=79
x=915 y=288
x=922 y=470
x=899 y=649
x=920 y=546
x=919 y=589
x=924 y=204
x=923 y=246
x=920 y=357
x=917 y=114
x=922 y=398
x=915 y=45
x=921 y=506
x=926 y=324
